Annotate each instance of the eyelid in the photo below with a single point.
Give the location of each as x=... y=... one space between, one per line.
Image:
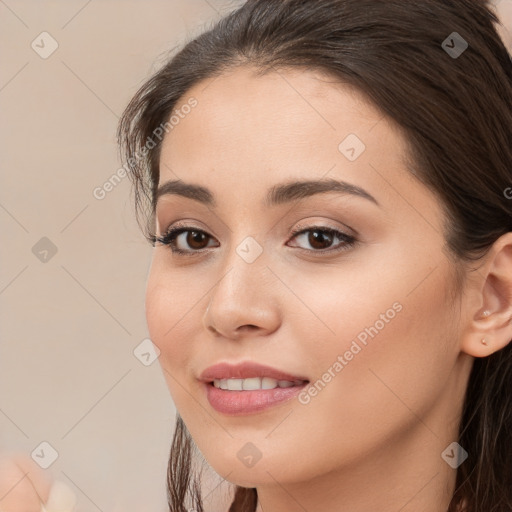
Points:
x=323 y=225
x=180 y=224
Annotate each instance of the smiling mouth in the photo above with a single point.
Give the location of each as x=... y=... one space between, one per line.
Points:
x=254 y=383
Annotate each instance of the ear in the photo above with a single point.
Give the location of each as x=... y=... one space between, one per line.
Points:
x=489 y=326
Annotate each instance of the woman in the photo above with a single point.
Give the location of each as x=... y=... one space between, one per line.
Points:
x=331 y=286
x=328 y=186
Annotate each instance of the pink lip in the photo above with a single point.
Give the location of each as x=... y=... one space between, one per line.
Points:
x=236 y=403
x=245 y=370
x=239 y=403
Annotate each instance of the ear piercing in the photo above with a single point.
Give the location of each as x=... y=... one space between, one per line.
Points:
x=485 y=314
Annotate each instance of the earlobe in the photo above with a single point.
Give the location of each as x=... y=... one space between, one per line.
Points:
x=490 y=326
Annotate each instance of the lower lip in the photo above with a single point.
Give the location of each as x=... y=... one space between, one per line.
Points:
x=237 y=403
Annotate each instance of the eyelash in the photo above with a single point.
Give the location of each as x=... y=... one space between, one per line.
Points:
x=169 y=237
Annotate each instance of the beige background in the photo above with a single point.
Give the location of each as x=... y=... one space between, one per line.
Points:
x=69 y=325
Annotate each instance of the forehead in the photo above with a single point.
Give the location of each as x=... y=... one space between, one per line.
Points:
x=280 y=109
x=249 y=132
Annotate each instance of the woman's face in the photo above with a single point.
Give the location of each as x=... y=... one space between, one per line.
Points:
x=365 y=313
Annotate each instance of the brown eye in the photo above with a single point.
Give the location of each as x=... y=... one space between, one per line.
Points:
x=185 y=240
x=196 y=239
x=320 y=239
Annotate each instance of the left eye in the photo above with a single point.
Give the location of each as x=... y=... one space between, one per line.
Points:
x=322 y=238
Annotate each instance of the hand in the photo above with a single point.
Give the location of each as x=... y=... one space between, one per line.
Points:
x=25 y=487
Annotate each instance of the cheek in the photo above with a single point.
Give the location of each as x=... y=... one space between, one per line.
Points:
x=399 y=325
x=394 y=345
x=169 y=309
x=170 y=304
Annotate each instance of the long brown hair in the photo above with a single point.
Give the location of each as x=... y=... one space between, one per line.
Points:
x=455 y=111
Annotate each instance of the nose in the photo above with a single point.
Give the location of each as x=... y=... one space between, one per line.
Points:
x=244 y=301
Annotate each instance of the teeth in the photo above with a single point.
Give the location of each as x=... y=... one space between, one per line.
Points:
x=254 y=383
x=268 y=383
x=235 y=384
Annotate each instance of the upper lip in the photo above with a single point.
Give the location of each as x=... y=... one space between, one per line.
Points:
x=245 y=370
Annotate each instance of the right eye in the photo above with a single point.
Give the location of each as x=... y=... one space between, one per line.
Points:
x=179 y=237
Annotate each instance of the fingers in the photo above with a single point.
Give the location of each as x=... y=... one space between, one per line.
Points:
x=25 y=487
x=23 y=484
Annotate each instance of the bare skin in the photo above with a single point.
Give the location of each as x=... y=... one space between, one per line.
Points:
x=504 y=12
x=372 y=439
x=23 y=484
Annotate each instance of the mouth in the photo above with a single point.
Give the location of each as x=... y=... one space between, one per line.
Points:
x=249 y=387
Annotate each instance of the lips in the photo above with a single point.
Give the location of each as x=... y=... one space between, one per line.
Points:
x=249 y=388
x=246 y=370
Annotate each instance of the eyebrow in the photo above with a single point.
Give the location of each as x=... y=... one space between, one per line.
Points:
x=276 y=195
